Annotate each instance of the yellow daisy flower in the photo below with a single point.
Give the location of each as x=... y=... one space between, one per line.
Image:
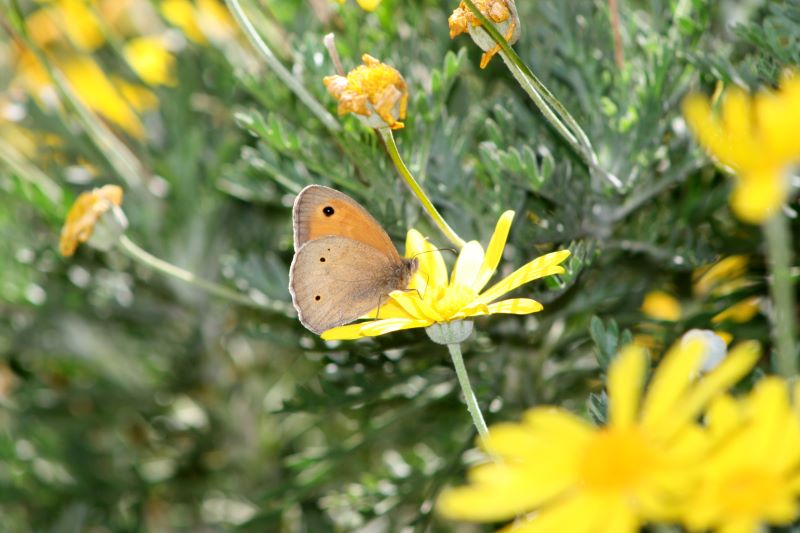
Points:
x=366 y=5
x=722 y=277
x=501 y=12
x=579 y=478
x=661 y=306
x=755 y=137
x=84 y=214
x=751 y=476
x=150 y=59
x=374 y=91
x=433 y=299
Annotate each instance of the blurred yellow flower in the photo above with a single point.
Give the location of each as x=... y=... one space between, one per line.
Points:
x=208 y=20
x=94 y=89
x=149 y=58
x=433 y=299
x=366 y=5
x=755 y=137
x=576 y=477
x=740 y=312
x=751 y=477
x=661 y=306
x=373 y=87
x=722 y=277
x=83 y=215
x=501 y=12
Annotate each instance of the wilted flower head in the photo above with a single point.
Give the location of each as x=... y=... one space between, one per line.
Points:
x=86 y=212
x=374 y=91
x=501 y=12
x=755 y=136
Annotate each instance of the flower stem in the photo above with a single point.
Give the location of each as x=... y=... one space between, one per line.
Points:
x=552 y=109
x=277 y=67
x=139 y=255
x=466 y=388
x=394 y=154
x=779 y=251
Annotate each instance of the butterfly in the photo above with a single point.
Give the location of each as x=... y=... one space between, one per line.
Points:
x=344 y=263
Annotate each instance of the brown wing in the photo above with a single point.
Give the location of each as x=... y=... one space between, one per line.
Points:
x=320 y=211
x=334 y=280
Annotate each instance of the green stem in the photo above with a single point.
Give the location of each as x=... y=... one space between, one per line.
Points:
x=285 y=76
x=779 y=251
x=466 y=388
x=394 y=154
x=552 y=109
x=20 y=165
x=139 y=255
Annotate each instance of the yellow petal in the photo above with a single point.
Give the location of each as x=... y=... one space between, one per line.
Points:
x=538 y=268
x=670 y=382
x=182 y=14
x=414 y=306
x=515 y=306
x=625 y=380
x=661 y=305
x=151 y=60
x=560 y=425
x=468 y=264
x=495 y=250
x=759 y=195
x=739 y=362
x=369 y=5
x=372 y=328
x=432 y=270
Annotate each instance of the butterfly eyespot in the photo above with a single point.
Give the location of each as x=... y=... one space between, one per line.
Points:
x=321 y=259
x=316 y=297
x=327 y=211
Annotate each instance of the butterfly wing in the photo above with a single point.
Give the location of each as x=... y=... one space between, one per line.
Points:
x=320 y=211
x=334 y=280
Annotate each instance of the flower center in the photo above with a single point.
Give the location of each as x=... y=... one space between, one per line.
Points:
x=616 y=459
x=452 y=299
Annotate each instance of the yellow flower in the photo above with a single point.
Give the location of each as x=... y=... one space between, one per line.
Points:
x=373 y=87
x=366 y=5
x=208 y=20
x=579 y=478
x=722 y=277
x=501 y=12
x=96 y=90
x=79 y=23
x=149 y=58
x=751 y=477
x=741 y=312
x=83 y=216
x=433 y=299
x=755 y=137
x=661 y=306
x=182 y=14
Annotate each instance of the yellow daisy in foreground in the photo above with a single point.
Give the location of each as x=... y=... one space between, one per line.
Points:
x=84 y=214
x=573 y=476
x=432 y=298
x=374 y=91
x=755 y=136
x=752 y=474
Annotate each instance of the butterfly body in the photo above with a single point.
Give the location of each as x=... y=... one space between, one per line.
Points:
x=345 y=264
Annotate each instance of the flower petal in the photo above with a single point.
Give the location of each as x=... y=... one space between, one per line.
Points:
x=495 y=251
x=372 y=328
x=432 y=270
x=542 y=266
x=415 y=307
x=468 y=264
x=625 y=380
x=515 y=306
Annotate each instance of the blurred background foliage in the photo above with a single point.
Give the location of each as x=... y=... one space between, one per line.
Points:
x=130 y=401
